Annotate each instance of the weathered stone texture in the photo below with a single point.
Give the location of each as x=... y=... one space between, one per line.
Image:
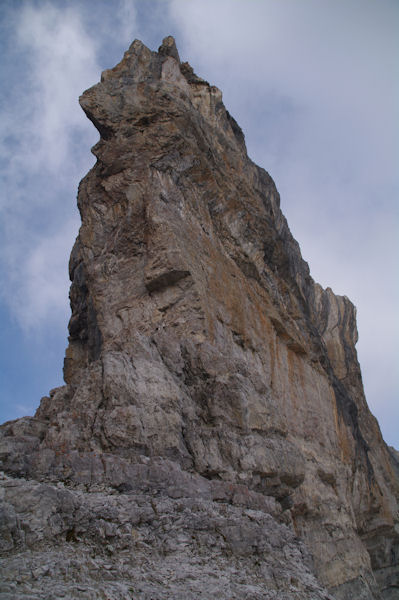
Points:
x=213 y=400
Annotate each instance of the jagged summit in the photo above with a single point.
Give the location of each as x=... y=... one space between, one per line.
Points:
x=168 y=48
x=212 y=438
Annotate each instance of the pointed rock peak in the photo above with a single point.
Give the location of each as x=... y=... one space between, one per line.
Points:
x=168 y=48
x=136 y=45
x=207 y=377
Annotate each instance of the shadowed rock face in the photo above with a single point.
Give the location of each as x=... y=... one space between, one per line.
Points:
x=213 y=430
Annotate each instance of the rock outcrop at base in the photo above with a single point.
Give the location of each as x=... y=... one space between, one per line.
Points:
x=212 y=438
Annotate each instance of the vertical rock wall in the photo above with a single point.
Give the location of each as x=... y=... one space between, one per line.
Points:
x=199 y=338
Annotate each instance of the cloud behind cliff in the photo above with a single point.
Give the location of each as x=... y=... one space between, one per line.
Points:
x=312 y=85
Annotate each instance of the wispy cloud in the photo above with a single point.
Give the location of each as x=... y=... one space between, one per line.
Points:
x=62 y=60
x=126 y=13
x=55 y=59
x=43 y=125
x=40 y=284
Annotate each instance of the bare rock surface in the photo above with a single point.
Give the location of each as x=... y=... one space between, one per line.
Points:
x=74 y=543
x=212 y=438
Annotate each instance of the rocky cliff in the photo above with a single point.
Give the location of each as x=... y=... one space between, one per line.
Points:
x=212 y=438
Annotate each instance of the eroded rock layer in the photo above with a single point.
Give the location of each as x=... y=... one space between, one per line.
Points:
x=212 y=438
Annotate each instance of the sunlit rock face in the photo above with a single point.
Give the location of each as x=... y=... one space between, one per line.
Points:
x=213 y=434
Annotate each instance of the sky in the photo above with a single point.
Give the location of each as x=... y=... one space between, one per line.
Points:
x=314 y=85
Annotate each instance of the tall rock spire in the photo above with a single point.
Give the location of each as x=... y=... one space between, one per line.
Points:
x=211 y=384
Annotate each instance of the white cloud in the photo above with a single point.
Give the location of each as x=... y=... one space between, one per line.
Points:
x=126 y=14
x=50 y=139
x=40 y=284
x=62 y=62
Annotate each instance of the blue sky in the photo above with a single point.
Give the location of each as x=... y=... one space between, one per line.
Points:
x=314 y=86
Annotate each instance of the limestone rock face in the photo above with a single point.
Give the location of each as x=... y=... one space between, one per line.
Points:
x=212 y=438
